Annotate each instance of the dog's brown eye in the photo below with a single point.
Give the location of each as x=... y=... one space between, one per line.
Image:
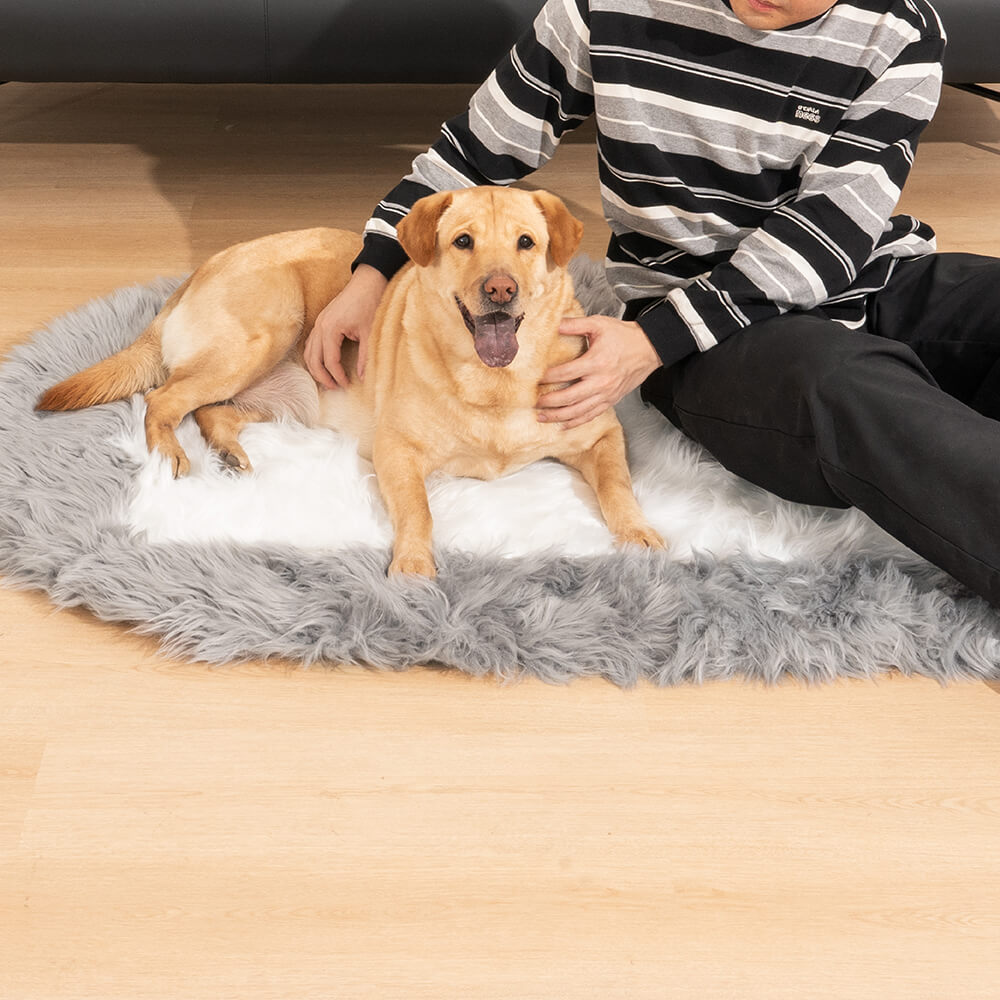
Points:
x=525 y=242
x=463 y=242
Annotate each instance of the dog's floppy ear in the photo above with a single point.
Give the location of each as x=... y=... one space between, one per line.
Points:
x=417 y=232
x=565 y=230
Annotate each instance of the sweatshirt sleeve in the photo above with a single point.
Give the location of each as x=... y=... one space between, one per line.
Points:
x=813 y=248
x=540 y=91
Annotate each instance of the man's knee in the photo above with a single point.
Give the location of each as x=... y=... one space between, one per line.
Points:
x=779 y=403
x=772 y=373
x=863 y=383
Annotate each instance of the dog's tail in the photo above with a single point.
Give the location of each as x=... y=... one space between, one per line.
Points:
x=136 y=368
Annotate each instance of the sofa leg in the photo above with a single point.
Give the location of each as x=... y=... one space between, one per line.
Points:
x=979 y=90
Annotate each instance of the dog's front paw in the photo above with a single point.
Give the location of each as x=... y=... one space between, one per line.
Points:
x=643 y=536
x=413 y=564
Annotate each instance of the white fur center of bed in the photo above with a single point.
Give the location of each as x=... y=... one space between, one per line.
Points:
x=310 y=489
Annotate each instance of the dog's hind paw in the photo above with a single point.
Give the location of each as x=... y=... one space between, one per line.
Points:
x=235 y=459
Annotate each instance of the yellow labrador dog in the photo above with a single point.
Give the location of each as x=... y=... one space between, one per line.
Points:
x=459 y=346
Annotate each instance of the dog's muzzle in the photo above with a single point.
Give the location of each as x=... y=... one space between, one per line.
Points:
x=494 y=335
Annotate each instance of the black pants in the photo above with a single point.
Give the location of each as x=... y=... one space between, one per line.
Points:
x=900 y=421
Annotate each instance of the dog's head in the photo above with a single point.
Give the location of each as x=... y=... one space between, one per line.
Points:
x=496 y=253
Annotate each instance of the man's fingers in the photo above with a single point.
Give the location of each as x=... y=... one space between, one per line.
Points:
x=579 y=421
x=336 y=369
x=562 y=397
x=315 y=367
x=574 y=415
x=577 y=326
x=324 y=378
x=330 y=374
x=591 y=362
x=314 y=363
x=362 y=358
x=572 y=406
x=570 y=371
x=324 y=364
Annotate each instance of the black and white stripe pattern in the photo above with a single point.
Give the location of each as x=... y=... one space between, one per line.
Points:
x=743 y=173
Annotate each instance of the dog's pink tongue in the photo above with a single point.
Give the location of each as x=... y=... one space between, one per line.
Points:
x=495 y=339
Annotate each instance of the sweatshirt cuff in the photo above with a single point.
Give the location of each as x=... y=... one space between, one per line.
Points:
x=382 y=253
x=667 y=332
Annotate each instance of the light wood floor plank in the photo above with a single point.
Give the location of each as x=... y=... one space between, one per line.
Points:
x=171 y=830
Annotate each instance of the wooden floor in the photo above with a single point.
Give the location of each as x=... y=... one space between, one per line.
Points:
x=169 y=830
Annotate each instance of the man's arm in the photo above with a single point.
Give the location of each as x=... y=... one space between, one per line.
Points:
x=540 y=91
x=814 y=247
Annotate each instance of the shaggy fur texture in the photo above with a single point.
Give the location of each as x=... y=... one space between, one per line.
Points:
x=753 y=586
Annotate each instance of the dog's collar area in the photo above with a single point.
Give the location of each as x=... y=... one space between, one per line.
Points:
x=494 y=335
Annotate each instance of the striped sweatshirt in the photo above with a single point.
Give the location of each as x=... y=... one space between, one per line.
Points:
x=743 y=173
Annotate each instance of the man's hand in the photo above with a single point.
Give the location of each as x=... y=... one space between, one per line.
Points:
x=347 y=317
x=619 y=358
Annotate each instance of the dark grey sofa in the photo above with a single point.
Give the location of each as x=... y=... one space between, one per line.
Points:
x=258 y=41
x=328 y=41
x=972 y=56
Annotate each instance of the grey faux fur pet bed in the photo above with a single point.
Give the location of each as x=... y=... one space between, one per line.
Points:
x=66 y=483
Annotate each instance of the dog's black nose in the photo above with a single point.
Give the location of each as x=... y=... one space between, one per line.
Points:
x=500 y=288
